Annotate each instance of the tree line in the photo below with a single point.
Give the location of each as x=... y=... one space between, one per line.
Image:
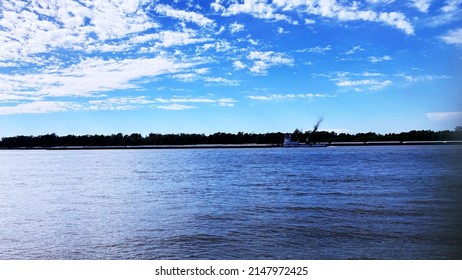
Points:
x=136 y=139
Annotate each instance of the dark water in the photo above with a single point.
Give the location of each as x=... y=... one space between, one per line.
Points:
x=398 y=202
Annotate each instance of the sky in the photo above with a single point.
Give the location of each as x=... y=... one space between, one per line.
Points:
x=141 y=66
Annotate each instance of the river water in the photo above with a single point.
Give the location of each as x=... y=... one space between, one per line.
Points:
x=393 y=202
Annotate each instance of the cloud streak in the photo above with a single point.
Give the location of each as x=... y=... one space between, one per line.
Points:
x=445 y=116
x=322 y=8
x=40 y=107
x=370 y=83
x=282 y=97
x=262 y=61
x=194 y=17
x=453 y=37
x=89 y=77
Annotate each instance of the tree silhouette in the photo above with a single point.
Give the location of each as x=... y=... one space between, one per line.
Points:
x=136 y=139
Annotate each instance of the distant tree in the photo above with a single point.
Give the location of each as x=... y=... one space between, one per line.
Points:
x=296 y=135
x=135 y=139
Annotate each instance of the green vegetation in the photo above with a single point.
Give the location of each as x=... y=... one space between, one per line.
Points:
x=136 y=139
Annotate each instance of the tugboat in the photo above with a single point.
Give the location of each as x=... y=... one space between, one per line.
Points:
x=289 y=143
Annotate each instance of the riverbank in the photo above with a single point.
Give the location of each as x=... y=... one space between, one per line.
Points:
x=204 y=146
x=238 y=146
x=393 y=143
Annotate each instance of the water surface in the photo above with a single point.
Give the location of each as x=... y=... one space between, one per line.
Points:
x=394 y=202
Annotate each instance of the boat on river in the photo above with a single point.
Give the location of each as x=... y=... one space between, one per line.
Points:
x=289 y=143
x=310 y=142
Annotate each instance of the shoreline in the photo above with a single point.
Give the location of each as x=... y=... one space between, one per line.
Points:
x=240 y=146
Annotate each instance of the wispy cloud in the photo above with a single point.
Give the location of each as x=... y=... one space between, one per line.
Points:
x=354 y=50
x=453 y=37
x=40 y=107
x=281 y=97
x=386 y=2
x=451 y=6
x=445 y=116
x=317 y=49
x=194 y=17
x=371 y=84
x=75 y=26
x=276 y=10
x=185 y=104
x=448 y=13
x=422 y=78
x=421 y=5
x=238 y=65
x=222 y=101
x=170 y=38
x=115 y=104
x=257 y=8
x=89 y=77
x=262 y=61
x=353 y=12
x=221 y=80
x=236 y=27
x=175 y=107
x=375 y=59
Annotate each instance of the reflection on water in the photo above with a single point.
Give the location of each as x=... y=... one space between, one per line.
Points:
x=314 y=203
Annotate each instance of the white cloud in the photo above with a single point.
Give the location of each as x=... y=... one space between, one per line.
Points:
x=370 y=83
x=218 y=46
x=386 y=2
x=445 y=116
x=115 y=104
x=194 y=17
x=39 y=107
x=238 y=65
x=118 y=103
x=264 y=60
x=39 y=27
x=354 y=50
x=202 y=71
x=185 y=100
x=184 y=103
x=397 y=20
x=175 y=107
x=257 y=8
x=343 y=12
x=179 y=38
x=375 y=59
x=226 y=102
x=317 y=49
x=282 y=30
x=450 y=12
x=308 y=21
x=423 y=78
x=451 y=6
x=280 y=97
x=186 y=77
x=220 y=80
x=421 y=5
x=370 y=74
x=236 y=27
x=89 y=77
x=453 y=37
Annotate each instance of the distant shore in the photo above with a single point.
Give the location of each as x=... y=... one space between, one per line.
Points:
x=228 y=140
x=237 y=146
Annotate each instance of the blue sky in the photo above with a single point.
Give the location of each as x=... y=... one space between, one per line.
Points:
x=109 y=66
